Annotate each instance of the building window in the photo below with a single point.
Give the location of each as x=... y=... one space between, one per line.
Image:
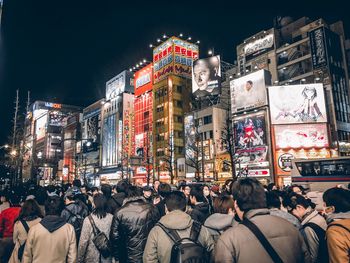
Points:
x=179 y=89
x=179 y=103
x=211 y=135
x=146 y=114
x=208 y=119
x=146 y=127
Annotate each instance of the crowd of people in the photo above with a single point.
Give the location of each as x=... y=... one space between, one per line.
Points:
x=241 y=222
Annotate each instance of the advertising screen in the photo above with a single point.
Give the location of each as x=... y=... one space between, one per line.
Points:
x=206 y=76
x=297 y=104
x=284 y=158
x=139 y=145
x=119 y=84
x=56 y=118
x=40 y=127
x=248 y=92
x=92 y=128
x=251 y=139
x=143 y=80
x=109 y=143
x=301 y=136
x=190 y=138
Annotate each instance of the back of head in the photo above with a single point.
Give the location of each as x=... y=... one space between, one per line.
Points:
x=197 y=192
x=14 y=199
x=122 y=186
x=175 y=200
x=100 y=204
x=106 y=189
x=134 y=191
x=273 y=199
x=77 y=183
x=164 y=189
x=54 y=206
x=30 y=209
x=295 y=199
x=249 y=194
x=338 y=198
x=222 y=204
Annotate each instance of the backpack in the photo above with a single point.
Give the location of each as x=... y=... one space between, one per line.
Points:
x=187 y=250
x=21 y=248
x=100 y=240
x=76 y=221
x=323 y=255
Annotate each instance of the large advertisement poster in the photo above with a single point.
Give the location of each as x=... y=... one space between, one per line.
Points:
x=297 y=104
x=119 y=84
x=206 y=76
x=40 y=127
x=92 y=128
x=190 y=136
x=283 y=161
x=301 y=136
x=56 y=118
x=143 y=80
x=250 y=139
x=248 y=92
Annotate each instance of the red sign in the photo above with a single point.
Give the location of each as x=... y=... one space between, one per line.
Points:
x=143 y=80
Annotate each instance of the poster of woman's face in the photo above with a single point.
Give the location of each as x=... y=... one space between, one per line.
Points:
x=297 y=104
x=206 y=76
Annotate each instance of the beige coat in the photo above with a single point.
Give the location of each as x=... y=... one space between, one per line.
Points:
x=239 y=244
x=19 y=237
x=159 y=244
x=56 y=247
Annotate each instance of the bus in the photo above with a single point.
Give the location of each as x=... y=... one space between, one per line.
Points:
x=321 y=174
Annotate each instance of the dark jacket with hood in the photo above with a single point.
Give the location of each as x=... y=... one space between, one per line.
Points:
x=130 y=228
x=52 y=240
x=200 y=212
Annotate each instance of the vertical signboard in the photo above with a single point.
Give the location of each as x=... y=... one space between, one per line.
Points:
x=318 y=48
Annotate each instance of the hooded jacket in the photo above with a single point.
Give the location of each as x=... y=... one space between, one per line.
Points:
x=71 y=212
x=200 y=212
x=338 y=237
x=239 y=244
x=130 y=227
x=217 y=223
x=159 y=244
x=52 y=240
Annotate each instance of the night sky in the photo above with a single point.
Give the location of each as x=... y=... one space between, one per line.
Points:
x=65 y=51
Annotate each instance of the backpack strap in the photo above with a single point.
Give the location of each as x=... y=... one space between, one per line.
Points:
x=94 y=228
x=339 y=225
x=320 y=232
x=174 y=236
x=25 y=225
x=195 y=230
x=263 y=240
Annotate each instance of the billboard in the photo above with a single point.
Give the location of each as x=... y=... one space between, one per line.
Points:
x=260 y=45
x=190 y=135
x=248 y=92
x=56 y=118
x=143 y=80
x=301 y=136
x=174 y=56
x=318 y=48
x=251 y=139
x=303 y=103
x=139 y=145
x=206 y=76
x=93 y=129
x=119 y=84
x=284 y=158
x=40 y=127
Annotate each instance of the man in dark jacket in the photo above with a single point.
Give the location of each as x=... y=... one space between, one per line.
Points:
x=131 y=226
x=119 y=192
x=163 y=190
x=75 y=210
x=200 y=211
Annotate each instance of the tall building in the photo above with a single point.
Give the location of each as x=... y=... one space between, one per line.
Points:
x=172 y=64
x=43 y=158
x=302 y=52
x=117 y=128
x=143 y=109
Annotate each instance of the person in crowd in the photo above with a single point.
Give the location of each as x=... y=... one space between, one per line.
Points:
x=87 y=251
x=7 y=221
x=311 y=222
x=148 y=194
x=40 y=196
x=131 y=225
x=156 y=185
x=208 y=197
x=163 y=190
x=239 y=243
x=51 y=190
x=298 y=189
x=121 y=188
x=4 y=203
x=337 y=210
x=226 y=188
x=200 y=209
x=159 y=245
x=112 y=205
x=271 y=187
x=273 y=200
x=29 y=216
x=186 y=189
x=215 y=191
x=75 y=211
x=223 y=217
x=52 y=240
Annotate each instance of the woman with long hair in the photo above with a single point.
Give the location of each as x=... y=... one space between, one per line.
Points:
x=29 y=216
x=98 y=220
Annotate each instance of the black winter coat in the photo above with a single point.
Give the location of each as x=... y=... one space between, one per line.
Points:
x=130 y=227
x=200 y=212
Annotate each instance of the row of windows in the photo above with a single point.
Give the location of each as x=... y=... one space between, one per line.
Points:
x=204 y=121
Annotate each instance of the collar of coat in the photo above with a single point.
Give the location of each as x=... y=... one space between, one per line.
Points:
x=310 y=214
x=256 y=212
x=337 y=216
x=133 y=199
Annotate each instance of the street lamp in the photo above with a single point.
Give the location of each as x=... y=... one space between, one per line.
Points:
x=4 y=146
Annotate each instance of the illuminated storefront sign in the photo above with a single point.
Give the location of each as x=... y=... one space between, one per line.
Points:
x=259 y=45
x=53 y=105
x=143 y=80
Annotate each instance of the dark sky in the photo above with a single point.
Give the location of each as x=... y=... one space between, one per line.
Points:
x=64 y=51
